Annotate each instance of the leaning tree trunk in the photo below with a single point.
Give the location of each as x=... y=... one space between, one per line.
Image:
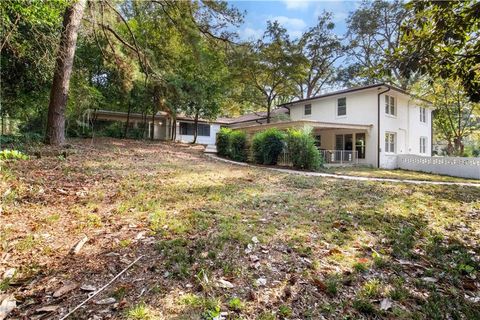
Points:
x=72 y=17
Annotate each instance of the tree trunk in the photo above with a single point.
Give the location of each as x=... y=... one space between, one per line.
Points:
x=268 y=112
x=152 y=134
x=174 y=128
x=450 y=149
x=144 y=119
x=72 y=18
x=156 y=102
x=1 y=115
x=128 y=116
x=459 y=147
x=195 y=129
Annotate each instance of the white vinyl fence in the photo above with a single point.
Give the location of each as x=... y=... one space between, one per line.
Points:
x=451 y=166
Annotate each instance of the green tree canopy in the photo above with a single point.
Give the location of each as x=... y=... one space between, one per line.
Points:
x=441 y=39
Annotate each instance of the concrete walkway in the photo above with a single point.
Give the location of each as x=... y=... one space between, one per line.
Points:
x=344 y=177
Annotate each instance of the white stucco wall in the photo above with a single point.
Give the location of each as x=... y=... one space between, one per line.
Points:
x=406 y=125
x=214 y=129
x=362 y=109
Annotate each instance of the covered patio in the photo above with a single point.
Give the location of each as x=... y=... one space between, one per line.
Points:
x=339 y=143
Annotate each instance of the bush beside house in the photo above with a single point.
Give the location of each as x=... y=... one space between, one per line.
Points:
x=267 y=146
x=300 y=145
x=232 y=144
x=223 y=142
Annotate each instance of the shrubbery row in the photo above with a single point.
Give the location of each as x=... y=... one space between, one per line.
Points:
x=268 y=145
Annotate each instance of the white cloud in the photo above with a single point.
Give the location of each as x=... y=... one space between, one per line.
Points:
x=294 y=26
x=296 y=4
x=293 y=23
x=250 y=33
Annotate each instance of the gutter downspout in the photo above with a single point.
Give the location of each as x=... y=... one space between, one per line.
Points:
x=407 y=133
x=432 y=114
x=378 y=126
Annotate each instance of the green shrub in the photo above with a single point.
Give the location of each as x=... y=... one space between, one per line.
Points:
x=114 y=130
x=267 y=146
x=232 y=144
x=238 y=146
x=302 y=150
x=12 y=155
x=223 y=142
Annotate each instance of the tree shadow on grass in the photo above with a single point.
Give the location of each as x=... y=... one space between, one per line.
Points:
x=298 y=224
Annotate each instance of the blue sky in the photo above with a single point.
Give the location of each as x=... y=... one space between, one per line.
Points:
x=295 y=15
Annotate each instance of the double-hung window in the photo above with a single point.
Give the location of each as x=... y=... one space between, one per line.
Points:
x=341 y=107
x=423 y=145
x=390 y=105
x=423 y=115
x=390 y=141
x=308 y=109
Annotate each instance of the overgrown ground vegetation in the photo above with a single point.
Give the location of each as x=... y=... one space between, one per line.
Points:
x=238 y=241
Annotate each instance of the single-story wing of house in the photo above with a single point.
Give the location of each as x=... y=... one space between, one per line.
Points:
x=367 y=125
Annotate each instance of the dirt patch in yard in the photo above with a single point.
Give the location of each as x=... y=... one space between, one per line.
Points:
x=218 y=239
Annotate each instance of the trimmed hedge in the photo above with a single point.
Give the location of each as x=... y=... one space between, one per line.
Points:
x=232 y=144
x=302 y=150
x=223 y=138
x=238 y=146
x=267 y=146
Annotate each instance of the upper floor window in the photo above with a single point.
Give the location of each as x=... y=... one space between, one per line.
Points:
x=341 y=107
x=308 y=109
x=423 y=144
x=423 y=114
x=390 y=141
x=390 y=105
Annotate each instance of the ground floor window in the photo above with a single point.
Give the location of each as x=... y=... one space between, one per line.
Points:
x=423 y=144
x=360 y=145
x=187 y=128
x=390 y=141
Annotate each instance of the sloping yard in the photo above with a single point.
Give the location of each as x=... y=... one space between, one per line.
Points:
x=222 y=240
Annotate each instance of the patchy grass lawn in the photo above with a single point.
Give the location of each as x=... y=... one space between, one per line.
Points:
x=241 y=242
x=362 y=171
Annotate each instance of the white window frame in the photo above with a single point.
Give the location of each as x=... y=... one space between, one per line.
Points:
x=423 y=115
x=337 y=108
x=423 y=145
x=305 y=110
x=390 y=142
x=390 y=105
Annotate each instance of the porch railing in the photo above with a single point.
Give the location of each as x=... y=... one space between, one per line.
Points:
x=329 y=156
x=340 y=156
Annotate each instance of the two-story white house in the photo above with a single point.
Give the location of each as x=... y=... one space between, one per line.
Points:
x=367 y=125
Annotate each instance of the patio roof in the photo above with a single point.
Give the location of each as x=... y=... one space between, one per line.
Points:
x=303 y=123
